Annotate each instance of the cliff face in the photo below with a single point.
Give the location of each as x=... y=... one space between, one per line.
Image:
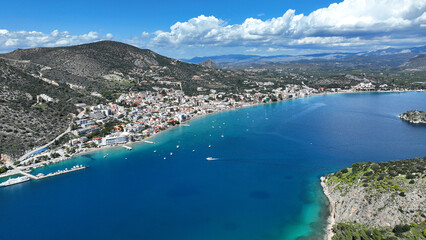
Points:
x=373 y=208
x=381 y=195
x=414 y=116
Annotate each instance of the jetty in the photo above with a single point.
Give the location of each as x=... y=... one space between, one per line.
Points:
x=39 y=176
x=127 y=147
x=60 y=172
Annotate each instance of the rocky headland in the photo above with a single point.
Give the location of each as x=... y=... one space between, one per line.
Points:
x=378 y=200
x=414 y=116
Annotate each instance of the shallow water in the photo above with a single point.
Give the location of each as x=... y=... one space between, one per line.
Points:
x=263 y=183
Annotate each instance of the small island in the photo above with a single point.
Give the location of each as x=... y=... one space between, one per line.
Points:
x=378 y=200
x=414 y=116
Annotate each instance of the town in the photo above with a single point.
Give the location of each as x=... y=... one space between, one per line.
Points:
x=137 y=116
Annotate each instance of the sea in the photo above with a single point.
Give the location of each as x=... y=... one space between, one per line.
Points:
x=262 y=181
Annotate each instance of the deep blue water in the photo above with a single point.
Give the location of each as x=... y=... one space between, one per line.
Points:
x=264 y=184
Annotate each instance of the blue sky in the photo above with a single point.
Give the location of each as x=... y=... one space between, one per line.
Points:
x=183 y=29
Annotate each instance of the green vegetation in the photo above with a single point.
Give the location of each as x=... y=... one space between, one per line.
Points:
x=414 y=231
x=3 y=169
x=382 y=177
x=414 y=116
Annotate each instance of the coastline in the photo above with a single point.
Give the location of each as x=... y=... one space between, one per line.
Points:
x=325 y=219
x=332 y=211
x=90 y=149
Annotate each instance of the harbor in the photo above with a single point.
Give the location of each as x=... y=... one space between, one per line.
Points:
x=27 y=176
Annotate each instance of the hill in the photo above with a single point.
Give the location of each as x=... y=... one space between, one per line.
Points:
x=417 y=63
x=379 y=200
x=39 y=87
x=110 y=67
x=25 y=121
x=208 y=63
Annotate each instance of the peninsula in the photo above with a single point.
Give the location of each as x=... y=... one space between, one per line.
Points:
x=414 y=116
x=378 y=200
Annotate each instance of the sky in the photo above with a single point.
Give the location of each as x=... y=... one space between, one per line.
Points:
x=185 y=29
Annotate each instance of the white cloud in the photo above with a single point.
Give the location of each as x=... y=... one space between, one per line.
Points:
x=252 y=50
x=145 y=35
x=25 y=39
x=341 y=24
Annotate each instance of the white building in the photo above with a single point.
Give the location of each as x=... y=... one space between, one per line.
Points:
x=114 y=139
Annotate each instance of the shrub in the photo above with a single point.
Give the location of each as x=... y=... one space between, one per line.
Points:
x=375 y=167
x=410 y=176
x=411 y=181
x=345 y=170
x=398 y=229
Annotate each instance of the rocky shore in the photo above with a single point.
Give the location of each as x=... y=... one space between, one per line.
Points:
x=377 y=196
x=414 y=116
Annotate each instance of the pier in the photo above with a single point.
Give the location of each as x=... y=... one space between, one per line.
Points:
x=148 y=141
x=127 y=147
x=16 y=170
x=59 y=172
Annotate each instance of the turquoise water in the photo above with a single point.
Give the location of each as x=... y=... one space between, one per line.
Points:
x=264 y=183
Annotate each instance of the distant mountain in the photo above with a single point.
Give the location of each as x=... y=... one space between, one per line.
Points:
x=208 y=63
x=393 y=51
x=371 y=59
x=221 y=58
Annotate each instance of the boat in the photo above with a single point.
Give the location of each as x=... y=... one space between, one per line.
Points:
x=164 y=158
x=12 y=181
x=177 y=146
x=211 y=159
x=222 y=135
x=193 y=150
x=210 y=146
x=155 y=151
x=171 y=154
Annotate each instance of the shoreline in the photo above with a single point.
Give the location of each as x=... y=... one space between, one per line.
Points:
x=330 y=220
x=332 y=211
x=89 y=150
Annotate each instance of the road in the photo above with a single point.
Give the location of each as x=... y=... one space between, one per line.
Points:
x=46 y=145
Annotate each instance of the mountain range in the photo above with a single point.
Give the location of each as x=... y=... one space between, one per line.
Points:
x=383 y=58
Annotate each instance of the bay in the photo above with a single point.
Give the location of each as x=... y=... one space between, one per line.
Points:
x=263 y=181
